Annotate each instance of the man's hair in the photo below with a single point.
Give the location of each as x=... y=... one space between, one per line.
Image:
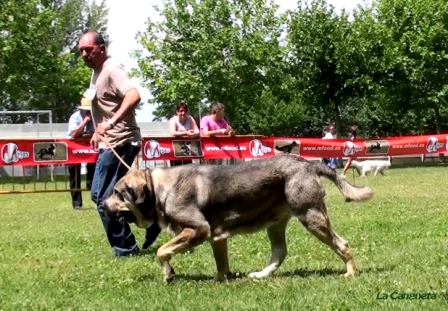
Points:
x=97 y=37
x=217 y=107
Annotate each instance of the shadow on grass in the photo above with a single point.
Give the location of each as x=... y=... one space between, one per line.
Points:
x=304 y=273
x=235 y=276
x=191 y=277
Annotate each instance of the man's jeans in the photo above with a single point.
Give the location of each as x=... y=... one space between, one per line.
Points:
x=107 y=173
x=330 y=162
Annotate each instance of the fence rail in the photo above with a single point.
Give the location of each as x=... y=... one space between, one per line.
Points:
x=43 y=172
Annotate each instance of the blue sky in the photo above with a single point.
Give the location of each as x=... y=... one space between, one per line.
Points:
x=127 y=17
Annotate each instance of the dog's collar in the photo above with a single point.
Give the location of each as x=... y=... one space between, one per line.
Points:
x=151 y=182
x=153 y=201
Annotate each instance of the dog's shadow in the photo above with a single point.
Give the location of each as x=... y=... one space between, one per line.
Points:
x=328 y=272
x=193 y=277
x=235 y=276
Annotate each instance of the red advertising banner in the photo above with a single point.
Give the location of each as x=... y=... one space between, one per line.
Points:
x=45 y=152
x=261 y=147
x=66 y=151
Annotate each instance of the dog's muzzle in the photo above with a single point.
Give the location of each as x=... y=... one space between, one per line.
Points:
x=126 y=216
x=121 y=216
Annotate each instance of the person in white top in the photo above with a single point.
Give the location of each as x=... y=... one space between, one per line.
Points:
x=183 y=124
x=330 y=134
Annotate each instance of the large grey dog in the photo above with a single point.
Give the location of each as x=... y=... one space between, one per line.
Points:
x=212 y=202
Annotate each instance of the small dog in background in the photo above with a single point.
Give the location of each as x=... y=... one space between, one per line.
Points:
x=371 y=166
x=287 y=148
x=47 y=151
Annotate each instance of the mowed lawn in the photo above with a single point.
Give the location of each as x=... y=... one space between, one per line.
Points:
x=54 y=258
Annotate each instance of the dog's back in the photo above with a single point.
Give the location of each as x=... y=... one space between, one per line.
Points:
x=258 y=184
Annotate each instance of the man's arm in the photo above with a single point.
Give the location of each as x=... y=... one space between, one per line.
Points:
x=130 y=101
x=229 y=129
x=215 y=132
x=123 y=87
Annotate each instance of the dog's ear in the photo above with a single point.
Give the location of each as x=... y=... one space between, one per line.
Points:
x=145 y=191
x=141 y=193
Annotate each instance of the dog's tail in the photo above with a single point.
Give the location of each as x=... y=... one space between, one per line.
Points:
x=349 y=191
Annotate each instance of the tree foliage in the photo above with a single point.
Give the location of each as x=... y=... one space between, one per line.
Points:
x=39 y=63
x=214 y=50
x=384 y=67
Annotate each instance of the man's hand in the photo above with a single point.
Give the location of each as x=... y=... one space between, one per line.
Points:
x=102 y=128
x=94 y=142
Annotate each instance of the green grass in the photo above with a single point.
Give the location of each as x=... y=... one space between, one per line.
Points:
x=54 y=258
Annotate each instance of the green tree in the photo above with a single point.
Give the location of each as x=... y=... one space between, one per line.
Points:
x=417 y=31
x=327 y=59
x=216 y=50
x=39 y=65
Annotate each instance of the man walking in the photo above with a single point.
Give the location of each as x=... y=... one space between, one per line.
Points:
x=114 y=99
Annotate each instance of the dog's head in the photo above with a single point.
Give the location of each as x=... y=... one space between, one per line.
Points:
x=133 y=199
x=53 y=146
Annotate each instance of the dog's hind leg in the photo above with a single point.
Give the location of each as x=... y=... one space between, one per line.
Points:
x=276 y=234
x=317 y=222
x=188 y=238
x=220 y=252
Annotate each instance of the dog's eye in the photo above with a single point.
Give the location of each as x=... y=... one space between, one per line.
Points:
x=131 y=193
x=118 y=194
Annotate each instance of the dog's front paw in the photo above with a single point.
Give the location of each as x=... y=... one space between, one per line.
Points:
x=349 y=274
x=221 y=277
x=258 y=275
x=169 y=275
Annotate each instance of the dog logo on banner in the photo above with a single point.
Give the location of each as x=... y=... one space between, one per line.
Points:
x=12 y=154
x=433 y=144
x=257 y=149
x=350 y=148
x=153 y=149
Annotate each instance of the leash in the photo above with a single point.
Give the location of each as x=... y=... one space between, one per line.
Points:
x=105 y=141
x=151 y=182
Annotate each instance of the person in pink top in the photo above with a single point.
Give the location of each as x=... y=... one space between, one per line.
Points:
x=215 y=124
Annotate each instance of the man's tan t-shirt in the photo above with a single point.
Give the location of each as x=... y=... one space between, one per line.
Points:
x=111 y=83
